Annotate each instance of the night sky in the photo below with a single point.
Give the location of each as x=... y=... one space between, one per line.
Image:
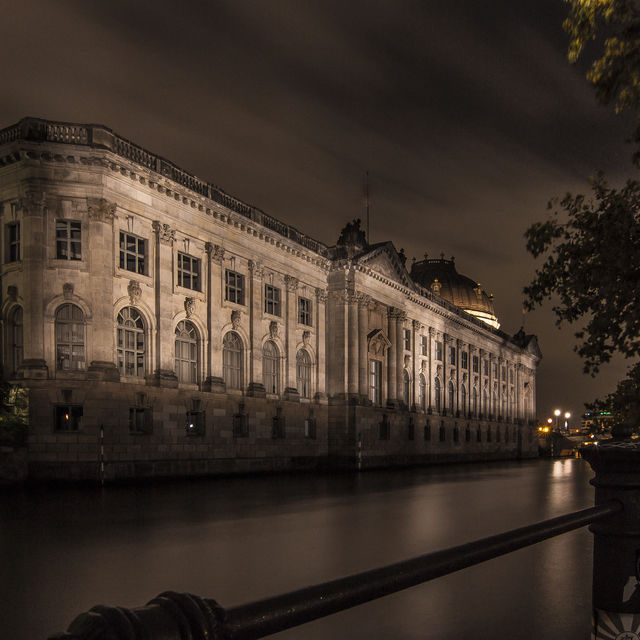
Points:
x=467 y=116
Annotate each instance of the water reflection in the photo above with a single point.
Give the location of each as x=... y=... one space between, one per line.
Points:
x=239 y=539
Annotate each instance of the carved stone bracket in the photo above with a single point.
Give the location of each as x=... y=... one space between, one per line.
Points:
x=12 y=293
x=321 y=295
x=256 y=269
x=306 y=337
x=165 y=233
x=32 y=201
x=236 y=316
x=273 y=329
x=363 y=300
x=101 y=210
x=189 y=306
x=135 y=292
x=67 y=290
x=417 y=325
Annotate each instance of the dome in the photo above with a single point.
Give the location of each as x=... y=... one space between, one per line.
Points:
x=440 y=277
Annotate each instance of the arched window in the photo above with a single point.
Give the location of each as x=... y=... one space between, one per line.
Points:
x=375 y=381
x=270 y=367
x=485 y=401
x=405 y=386
x=15 y=351
x=186 y=351
x=131 y=343
x=70 y=338
x=437 y=390
x=451 y=396
x=303 y=373
x=474 y=401
x=422 y=391
x=463 y=400
x=232 y=360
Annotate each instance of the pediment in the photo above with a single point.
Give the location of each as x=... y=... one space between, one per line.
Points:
x=384 y=260
x=378 y=342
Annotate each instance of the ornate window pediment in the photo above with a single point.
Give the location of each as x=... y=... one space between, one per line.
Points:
x=378 y=343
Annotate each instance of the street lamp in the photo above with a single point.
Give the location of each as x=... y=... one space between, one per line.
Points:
x=557 y=413
x=567 y=415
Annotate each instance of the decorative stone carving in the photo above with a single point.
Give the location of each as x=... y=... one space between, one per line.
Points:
x=215 y=252
x=306 y=337
x=423 y=365
x=67 y=290
x=436 y=286
x=363 y=300
x=101 y=210
x=321 y=295
x=12 y=293
x=407 y=361
x=378 y=343
x=256 y=269
x=32 y=201
x=236 y=316
x=135 y=292
x=417 y=325
x=273 y=329
x=189 y=306
x=165 y=233
x=291 y=282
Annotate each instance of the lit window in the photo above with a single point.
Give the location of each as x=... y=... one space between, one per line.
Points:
x=304 y=311
x=188 y=272
x=133 y=252
x=68 y=417
x=234 y=287
x=68 y=240
x=186 y=352
x=131 y=343
x=69 y=338
x=271 y=300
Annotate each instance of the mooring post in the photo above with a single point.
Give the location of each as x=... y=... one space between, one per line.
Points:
x=616 y=544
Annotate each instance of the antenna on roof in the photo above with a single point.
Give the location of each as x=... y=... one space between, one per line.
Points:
x=366 y=202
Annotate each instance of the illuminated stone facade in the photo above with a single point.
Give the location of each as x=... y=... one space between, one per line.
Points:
x=163 y=327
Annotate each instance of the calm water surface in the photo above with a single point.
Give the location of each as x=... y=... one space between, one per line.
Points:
x=240 y=539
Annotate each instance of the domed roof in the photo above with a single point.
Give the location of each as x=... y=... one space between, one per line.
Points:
x=440 y=277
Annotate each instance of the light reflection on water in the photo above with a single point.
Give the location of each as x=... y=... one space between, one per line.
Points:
x=240 y=539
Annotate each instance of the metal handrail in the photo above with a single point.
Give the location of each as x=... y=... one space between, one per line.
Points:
x=174 y=616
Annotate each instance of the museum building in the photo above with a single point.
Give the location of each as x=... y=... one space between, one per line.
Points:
x=161 y=327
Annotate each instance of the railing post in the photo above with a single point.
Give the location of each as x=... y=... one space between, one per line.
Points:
x=616 y=544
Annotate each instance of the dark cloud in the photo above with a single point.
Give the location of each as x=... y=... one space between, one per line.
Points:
x=466 y=115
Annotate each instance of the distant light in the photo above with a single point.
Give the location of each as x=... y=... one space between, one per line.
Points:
x=557 y=412
x=567 y=415
x=549 y=420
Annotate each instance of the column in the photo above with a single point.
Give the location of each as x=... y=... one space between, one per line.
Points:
x=98 y=243
x=353 y=344
x=430 y=376
x=255 y=387
x=363 y=330
x=391 y=359
x=401 y=316
x=32 y=253
x=290 y=324
x=484 y=410
x=459 y=377
x=321 y=334
x=213 y=372
x=415 y=365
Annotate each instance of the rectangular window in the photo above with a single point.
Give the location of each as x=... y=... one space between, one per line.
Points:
x=375 y=381
x=485 y=367
x=195 y=424
x=272 y=300
x=304 y=311
x=452 y=355
x=438 y=348
x=427 y=432
x=494 y=371
x=384 y=428
x=68 y=417
x=188 y=272
x=140 y=420
x=475 y=364
x=310 y=428
x=464 y=359
x=240 y=425
x=423 y=345
x=278 y=427
x=406 y=338
x=68 y=240
x=233 y=287
x=133 y=253
x=12 y=242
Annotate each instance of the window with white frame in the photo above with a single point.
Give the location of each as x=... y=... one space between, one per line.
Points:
x=133 y=253
x=69 y=332
x=233 y=286
x=188 y=272
x=272 y=300
x=68 y=240
x=131 y=343
x=304 y=311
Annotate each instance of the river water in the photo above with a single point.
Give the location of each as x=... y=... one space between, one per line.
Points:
x=63 y=550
